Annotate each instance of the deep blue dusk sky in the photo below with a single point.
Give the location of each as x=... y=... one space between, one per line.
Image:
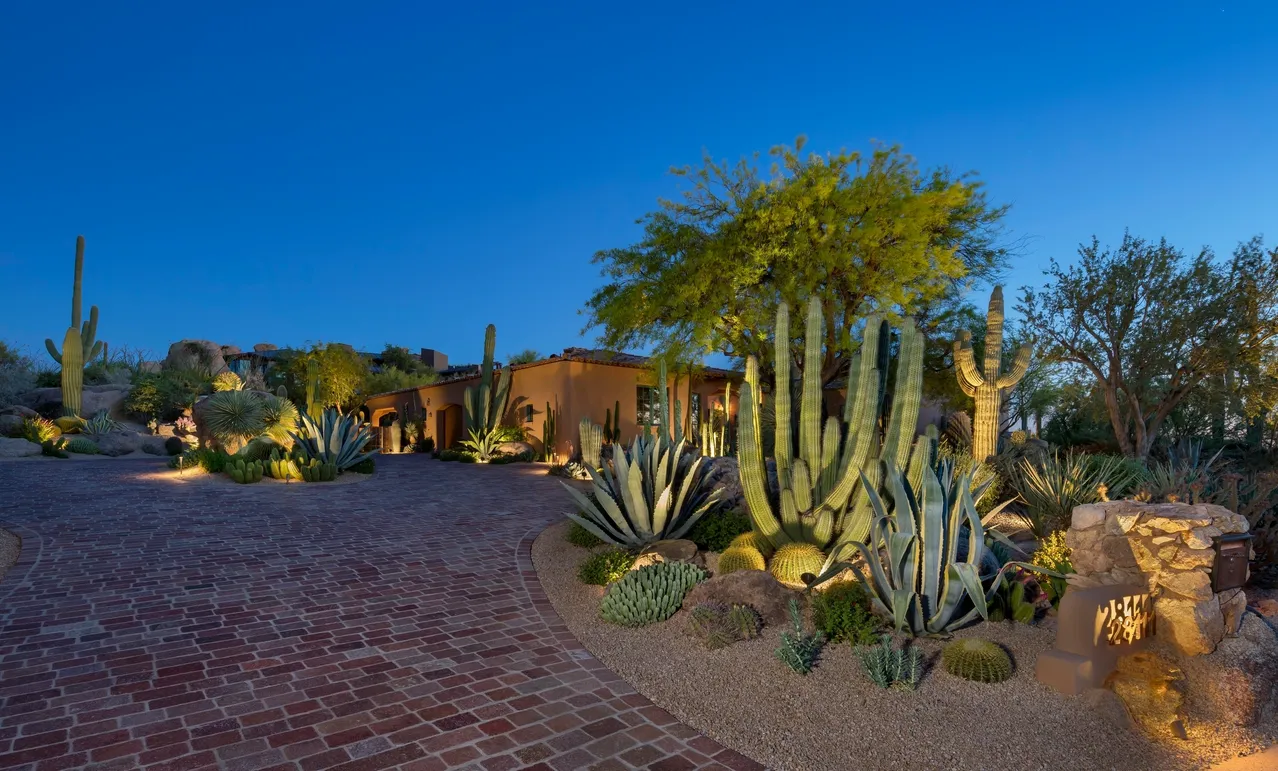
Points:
x=407 y=172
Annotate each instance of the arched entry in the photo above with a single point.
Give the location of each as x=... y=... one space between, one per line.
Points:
x=448 y=426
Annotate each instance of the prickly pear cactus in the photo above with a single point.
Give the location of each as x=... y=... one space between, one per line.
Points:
x=975 y=659
x=793 y=560
x=650 y=594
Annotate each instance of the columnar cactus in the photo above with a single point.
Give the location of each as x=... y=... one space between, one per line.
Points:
x=313 y=406
x=485 y=406
x=549 y=427
x=78 y=345
x=986 y=385
x=590 y=438
x=821 y=496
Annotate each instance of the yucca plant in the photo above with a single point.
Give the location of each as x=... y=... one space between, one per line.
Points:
x=334 y=438
x=234 y=417
x=100 y=423
x=1051 y=489
x=918 y=577
x=279 y=416
x=650 y=493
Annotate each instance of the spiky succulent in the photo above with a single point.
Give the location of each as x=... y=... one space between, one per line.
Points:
x=228 y=381
x=739 y=558
x=234 y=417
x=718 y=625
x=891 y=667
x=100 y=423
x=650 y=594
x=975 y=659
x=39 y=430
x=792 y=561
x=334 y=438
x=280 y=418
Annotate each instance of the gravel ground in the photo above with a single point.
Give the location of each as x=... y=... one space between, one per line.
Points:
x=746 y=699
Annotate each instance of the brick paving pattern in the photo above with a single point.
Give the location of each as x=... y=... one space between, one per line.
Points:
x=395 y=623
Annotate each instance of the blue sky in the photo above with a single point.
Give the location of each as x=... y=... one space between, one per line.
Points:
x=409 y=172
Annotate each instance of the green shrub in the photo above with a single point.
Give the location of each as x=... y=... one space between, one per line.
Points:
x=81 y=446
x=144 y=398
x=842 y=612
x=366 y=466
x=427 y=444
x=715 y=530
x=580 y=536
x=212 y=461
x=510 y=434
x=799 y=650
x=1053 y=554
x=605 y=567
x=650 y=594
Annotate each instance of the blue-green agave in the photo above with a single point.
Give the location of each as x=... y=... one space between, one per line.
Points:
x=334 y=438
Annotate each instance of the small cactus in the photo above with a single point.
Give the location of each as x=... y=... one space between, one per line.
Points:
x=718 y=625
x=738 y=558
x=650 y=594
x=245 y=472
x=792 y=561
x=1019 y=438
x=317 y=471
x=752 y=540
x=282 y=467
x=975 y=659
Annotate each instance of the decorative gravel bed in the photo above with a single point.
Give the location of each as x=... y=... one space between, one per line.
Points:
x=835 y=717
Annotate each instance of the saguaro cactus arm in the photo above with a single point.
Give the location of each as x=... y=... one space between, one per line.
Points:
x=969 y=376
x=1019 y=367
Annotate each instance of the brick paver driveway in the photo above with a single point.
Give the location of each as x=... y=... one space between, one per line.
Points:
x=394 y=623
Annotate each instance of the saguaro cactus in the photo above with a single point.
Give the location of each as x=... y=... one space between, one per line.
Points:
x=78 y=345
x=486 y=406
x=821 y=493
x=590 y=439
x=986 y=385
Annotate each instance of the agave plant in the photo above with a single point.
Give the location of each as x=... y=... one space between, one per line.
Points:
x=919 y=577
x=483 y=444
x=227 y=381
x=334 y=438
x=280 y=418
x=651 y=493
x=234 y=417
x=100 y=423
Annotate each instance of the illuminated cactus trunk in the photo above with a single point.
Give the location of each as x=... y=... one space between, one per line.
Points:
x=816 y=498
x=486 y=406
x=313 y=407
x=548 y=433
x=985 y=385
x=396 y=437
x=590 y=437
x=79 y=344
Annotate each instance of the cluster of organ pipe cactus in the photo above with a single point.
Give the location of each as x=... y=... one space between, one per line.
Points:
x=549 y=432
x=79 y=345
x=987 y=384
x=591 y=439
x=822 y=490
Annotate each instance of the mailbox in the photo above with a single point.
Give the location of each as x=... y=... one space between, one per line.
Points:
x=1229 y=571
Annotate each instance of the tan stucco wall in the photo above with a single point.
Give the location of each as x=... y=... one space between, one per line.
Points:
x=578 y=389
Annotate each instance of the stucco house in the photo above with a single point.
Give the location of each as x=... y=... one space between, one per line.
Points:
x=579 y=383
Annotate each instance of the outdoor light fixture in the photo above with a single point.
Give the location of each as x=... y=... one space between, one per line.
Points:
x=1229 y=571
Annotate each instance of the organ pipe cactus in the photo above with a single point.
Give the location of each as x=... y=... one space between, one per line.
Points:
x=821 y=492
x=986 y=385
x=651 y=493
x=78 y=345
x=485 y=406
x=591 y=440
x=549 y=427
x=313 y=406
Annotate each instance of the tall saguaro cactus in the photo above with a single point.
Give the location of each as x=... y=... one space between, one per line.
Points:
x=486 y=406
x=986 y=385
x=821 y=495
x=78 y=345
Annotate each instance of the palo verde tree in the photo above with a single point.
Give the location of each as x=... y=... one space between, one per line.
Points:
x=863 y=235
x=1150 y=325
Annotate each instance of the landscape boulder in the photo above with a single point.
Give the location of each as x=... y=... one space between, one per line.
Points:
x=515 y=448
x=18 y=448
x=264 y=347
x=19 y=410
x=110 y=397
x=10 y=425
x=189 y=354
x=723 y=473
x=118 y=443
x=674 y=550
x=756 y=588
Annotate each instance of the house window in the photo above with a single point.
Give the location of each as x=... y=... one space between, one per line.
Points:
x=694 y=414
x=649 y=402
x=528 y=413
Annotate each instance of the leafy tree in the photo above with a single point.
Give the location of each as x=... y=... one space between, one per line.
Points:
x=403 y=360
x=864 y=234
x=1151 y=325
x=393 y=379
x=526 y=356
x=342 y=373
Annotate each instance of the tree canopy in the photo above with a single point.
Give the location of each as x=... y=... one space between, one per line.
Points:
x=865 y=235
x=1150 y=325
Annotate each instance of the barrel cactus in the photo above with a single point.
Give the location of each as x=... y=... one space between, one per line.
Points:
x=975 y=659
x=794 y=560
x=650 y=594
x=737 y=558
x=752 y=540
x=986 y=385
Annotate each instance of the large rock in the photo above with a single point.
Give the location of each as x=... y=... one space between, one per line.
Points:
x=1238 y=684
x=673 y=550
x=516 y=448
x=48 y=401
x=724 y=473
x=11 y=425
x=118 y=443
x=20 y=411
x=18 y=448
x=755 y=588
x=264 y=347
x=188 y=354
